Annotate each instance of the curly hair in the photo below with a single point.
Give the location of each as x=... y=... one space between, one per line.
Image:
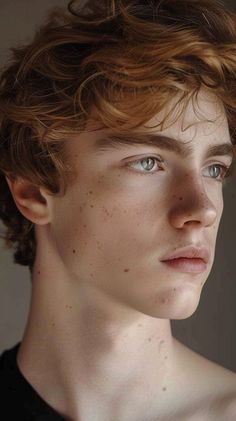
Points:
x=108 y=61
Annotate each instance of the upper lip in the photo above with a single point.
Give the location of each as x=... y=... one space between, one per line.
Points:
x=189 y=252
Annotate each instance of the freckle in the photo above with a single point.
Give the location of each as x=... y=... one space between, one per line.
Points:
x=90 y=191
x=85 y=226
x=91 y=206
x=91 y=274
x=164 y=300
x=53 y=324
x=74 y=251
x=140 y=325
x=166 y=358
x=150 y=339
x=180 y=198
x=126 y=270
x=160 y=344
x=164 y=389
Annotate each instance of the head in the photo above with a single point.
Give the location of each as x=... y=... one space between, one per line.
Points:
x=129 y=69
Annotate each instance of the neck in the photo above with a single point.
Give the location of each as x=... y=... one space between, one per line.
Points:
x=81 y=345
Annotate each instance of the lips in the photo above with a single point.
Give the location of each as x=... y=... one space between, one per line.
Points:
x=189 y=252
x=186 y=265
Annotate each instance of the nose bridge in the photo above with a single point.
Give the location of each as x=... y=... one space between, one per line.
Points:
x=192 y=203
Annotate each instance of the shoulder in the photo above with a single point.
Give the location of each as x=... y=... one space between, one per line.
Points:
x=224 y=408
x=8 y=372
x=229 y=412
x=212 y=393
x=9 y=390
x=18 y=398
x=8 y=360
x=221 y=409
x=207 y=375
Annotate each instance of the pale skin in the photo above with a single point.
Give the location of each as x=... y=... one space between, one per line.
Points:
x=98 y=344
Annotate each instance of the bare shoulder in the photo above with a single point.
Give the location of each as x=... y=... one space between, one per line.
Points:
x=221 y=409
x=213 y=387
x=206 y=374
x=224 y=408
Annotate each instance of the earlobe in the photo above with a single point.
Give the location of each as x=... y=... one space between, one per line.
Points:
x=30 y=200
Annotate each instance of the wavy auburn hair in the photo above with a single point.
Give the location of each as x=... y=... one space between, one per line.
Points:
x=116 y=61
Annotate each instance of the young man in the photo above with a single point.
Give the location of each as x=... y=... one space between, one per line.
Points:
x=117 y=134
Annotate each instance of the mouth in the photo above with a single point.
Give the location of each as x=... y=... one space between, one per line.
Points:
x=188 y=259
x=186 y=265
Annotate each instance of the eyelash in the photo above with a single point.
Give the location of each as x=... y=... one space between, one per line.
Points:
x=226 y=170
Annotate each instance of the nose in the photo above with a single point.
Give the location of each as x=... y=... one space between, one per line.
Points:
x=191 y=206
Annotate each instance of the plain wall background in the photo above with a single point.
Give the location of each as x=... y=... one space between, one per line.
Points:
x=211 y=329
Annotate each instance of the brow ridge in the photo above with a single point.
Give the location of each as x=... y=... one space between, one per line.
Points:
x=171 y=144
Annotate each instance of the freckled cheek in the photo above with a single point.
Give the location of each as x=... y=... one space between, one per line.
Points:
x=127 y=215
x=110 y=224
x=106 y=230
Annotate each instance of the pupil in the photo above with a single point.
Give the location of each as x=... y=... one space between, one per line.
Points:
x=215 y=171
x=150 y=163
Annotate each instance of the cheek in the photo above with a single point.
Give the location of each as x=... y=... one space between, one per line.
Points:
x=110 y=226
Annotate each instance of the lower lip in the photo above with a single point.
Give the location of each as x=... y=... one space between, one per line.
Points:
x=186 y=265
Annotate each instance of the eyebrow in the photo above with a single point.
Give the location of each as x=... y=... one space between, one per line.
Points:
x=162 y=142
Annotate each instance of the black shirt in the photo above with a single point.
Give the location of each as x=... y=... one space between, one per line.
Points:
x=18 y=399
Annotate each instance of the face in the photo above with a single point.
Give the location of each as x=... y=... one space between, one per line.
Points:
x=133 y=204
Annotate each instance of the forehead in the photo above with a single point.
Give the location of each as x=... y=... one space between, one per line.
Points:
x=201 y=118
x=202 y=115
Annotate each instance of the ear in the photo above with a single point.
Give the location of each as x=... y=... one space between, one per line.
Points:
x=30 y=200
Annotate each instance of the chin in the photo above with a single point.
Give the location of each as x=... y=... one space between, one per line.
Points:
x=178 y=306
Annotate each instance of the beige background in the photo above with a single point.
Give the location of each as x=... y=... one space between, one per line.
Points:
x=211 y=329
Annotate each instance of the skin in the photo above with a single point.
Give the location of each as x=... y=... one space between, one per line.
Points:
x=99 y=323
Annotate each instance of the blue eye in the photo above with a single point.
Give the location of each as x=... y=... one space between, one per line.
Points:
x=152 y=165
x=217 y=171
x=147 y=164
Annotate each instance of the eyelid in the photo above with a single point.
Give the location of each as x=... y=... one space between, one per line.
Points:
x=229 y=166
x=136 y=158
